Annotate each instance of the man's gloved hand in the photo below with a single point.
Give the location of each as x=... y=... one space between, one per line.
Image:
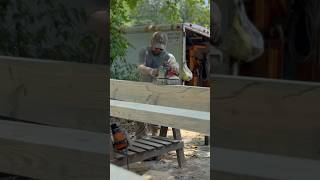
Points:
x=172 y=63
x=148 y=71
x=154 y=72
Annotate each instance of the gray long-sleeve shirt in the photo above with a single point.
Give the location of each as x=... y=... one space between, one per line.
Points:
x=147 y=58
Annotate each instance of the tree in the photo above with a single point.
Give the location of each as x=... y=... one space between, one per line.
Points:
x=138 y=12
x=45 y=30
x=119 y=15
x=195 y=11
x=147 y=12
x=171 y=11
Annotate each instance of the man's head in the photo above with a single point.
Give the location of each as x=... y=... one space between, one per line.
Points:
x=158 y=42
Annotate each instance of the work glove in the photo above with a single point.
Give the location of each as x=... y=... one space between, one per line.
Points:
x=172 y=64
x=154 y=72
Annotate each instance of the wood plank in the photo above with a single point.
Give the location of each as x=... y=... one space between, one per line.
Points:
x=118 y=173
x=149 y=143
x=187 y=97
x=147 y=154
x=131 y=153
x=118 y=155
x=44 y=152
x=163 y=131
x=136 y=149
x=166 y=143
x=180 y=152
x=268 y=116
x=198 y=121
x=166 y=139
x=143 y=146
x=57 y=93
x=231 y=176
x=266 y=166
x=176 y=134
x=206 y=140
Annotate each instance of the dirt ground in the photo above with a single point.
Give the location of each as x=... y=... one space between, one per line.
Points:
x=197 y=161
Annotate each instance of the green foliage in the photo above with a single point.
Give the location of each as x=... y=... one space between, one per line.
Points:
x=45 y=29
x=146 y=12
x=125 y=71
x=171 y=11
x=119 y=15
x=195 y=11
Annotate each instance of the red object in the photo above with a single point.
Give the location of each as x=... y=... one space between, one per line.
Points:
x=171 y=73
x=119 y=138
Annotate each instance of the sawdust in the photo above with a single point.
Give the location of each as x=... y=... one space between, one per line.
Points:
x=197 y=160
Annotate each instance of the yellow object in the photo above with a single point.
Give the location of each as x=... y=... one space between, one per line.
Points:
x=186 y=74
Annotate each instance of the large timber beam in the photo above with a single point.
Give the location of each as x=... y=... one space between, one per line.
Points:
x=186 y=97
x=57 y=93
x=235 y=164
x=265 y=129
x=52 y=153
x=118 y=173
x=198 y=121
x=267 y=116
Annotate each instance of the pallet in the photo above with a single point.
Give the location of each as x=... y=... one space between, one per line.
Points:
x=151 y=146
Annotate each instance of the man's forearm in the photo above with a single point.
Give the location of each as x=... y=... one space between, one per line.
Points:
x=144 y=69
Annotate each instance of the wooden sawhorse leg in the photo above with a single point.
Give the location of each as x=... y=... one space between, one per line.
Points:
x=206 y=140
x=163 y=131
x=176 y=136
x=180 y=152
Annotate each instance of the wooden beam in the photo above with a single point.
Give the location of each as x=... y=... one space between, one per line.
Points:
x=186 y=97
x=198 y=121
x=253 y=165
x=44 y=152
x=118 y=173
x=267 y=116
x=58 y=93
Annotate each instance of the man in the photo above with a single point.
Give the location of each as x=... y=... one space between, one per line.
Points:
x=151 y=58
x=155 y=56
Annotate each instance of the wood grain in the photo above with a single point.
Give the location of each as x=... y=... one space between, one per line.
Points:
x=187 y=97
x=57 y=93
x=157 y=141
x=268 y=116
x=148 y=154
x=192 y=120
x=249 y=165
x=118 y=173
x=44 y=152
